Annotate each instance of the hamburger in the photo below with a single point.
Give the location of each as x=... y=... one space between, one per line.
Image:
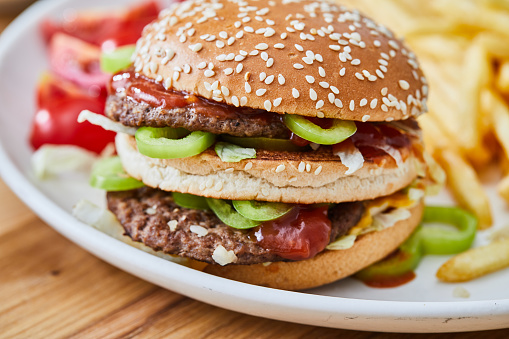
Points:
x=276 y=140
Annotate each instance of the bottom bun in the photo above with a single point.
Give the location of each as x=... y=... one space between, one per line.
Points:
x=327 y=266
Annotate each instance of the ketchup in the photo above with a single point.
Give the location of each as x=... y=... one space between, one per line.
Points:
x=300 y=234
x=142 y=89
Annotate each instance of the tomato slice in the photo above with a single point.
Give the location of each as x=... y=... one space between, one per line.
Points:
x=55 y=122
x=111 y=29
x=78 y=62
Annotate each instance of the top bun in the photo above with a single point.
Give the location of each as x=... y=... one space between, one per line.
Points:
x=312 y=58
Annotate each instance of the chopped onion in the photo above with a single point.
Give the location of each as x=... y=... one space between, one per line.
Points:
x=51 y=160
x=223 y=257
x=105 y=123
x=350 y=156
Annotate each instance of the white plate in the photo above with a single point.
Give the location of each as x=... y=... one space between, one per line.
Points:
x=424 y=305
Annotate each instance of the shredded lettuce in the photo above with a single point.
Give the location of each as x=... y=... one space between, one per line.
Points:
x=233 y=153
x=343 y=243
x=105 y=123
x=52 y=160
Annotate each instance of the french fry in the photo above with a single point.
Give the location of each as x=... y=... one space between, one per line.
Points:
x=476 y=262
x=503 y=188
x=499 y=114
x=465 y=185
x=503 y=78
x=496 y=44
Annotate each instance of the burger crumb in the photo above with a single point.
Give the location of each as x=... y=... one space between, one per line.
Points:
x=172 y=224
x=223 y=257
x=151 y=211
x=461 y=292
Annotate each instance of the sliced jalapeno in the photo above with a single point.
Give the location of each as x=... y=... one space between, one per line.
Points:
x=340 y=130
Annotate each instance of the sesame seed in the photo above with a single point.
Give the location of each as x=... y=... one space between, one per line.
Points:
x=239 y=58
x=320 y=114
x=312 y=94
x=260 y=31
x=364 y=102
x=277 y=102
x=372 y=78
x=356 y=62
x=280 y=168
x=207 y=86
x=269 y=79
x=267 y=105
x=247 y=87
x=338 y=103
x=352 y=105
x=298 y=66
x=377 y=43
x=230 y=56
x=365 y=118
x=319 y=104
x=302 y=167
x=239 y=68
x=248 y=166
x=235 y=101
x=319 y=57
x=263 y=75
x=342 y=72
x=335 y=47
x=168 y=83
x=284 y=35
x=334 y=89
x=324 y=84
x=393 y=44
x=279 y=46
x=380 y=74
x=308 y=60
x=269 y=32
x=229 y=170
x=262 y=46
x=196 y=47
x=384 y=91
x=239 y=34
x=321 y=71
x=295 y=93
x=223 y=35
x=215 y=85
x=249 y=29
x=299 y=47
x=374 y=103
x=310 y=79
x=237 y=24
x=270 y=62
x=231 y=41
x=308 y=168
x=254 y=52
x=182 y=38
x=209 y=73
x=281 y=79
x=260 y=92
x=221 y=57
x=225 y=91
x=318 y=170
x=219 y=44
x=176 y=75
x=228 y=71
x=359 y=76
x=404 y=85
x=202 y=65
x=243 y=101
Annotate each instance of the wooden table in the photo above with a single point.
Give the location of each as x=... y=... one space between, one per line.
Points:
x=51 y=288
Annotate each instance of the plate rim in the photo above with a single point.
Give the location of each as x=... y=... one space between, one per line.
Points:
x=332 y=311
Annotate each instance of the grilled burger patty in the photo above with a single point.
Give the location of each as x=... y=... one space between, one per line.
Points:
x=145 y=213
x=136 y=114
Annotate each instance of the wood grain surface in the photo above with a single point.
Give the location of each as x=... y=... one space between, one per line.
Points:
x=51 y=288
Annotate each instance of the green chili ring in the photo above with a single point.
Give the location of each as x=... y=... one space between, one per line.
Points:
x=340 y=130
x=227 y=214
x=168 y=143
x=437 y=240
x=261 y=210
x=109 y=175
x=190 y=201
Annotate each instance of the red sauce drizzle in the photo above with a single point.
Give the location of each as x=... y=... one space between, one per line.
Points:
x=389 y=282
x=300 y=234
x=142 y=89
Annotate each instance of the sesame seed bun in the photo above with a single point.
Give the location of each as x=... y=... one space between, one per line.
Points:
x=327 y=266
x=272 y=176
x=311 y=58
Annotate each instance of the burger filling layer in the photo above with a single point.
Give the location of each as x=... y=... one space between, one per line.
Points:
x=151 y=216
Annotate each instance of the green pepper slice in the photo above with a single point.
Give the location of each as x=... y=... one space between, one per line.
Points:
x=108 y=174
x=280 y=145
x=170 y=143
x=261 y=210
x=117 y=60
x=404 y=260
x=438 y=240
x=227 y=214
x=427 y=240
x=340 y=130
x=190 y=201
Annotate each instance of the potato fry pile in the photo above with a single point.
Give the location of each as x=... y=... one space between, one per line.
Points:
x=463 y=48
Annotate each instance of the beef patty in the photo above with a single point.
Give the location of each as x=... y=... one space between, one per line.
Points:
x=145 y=213
x=137 y=114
